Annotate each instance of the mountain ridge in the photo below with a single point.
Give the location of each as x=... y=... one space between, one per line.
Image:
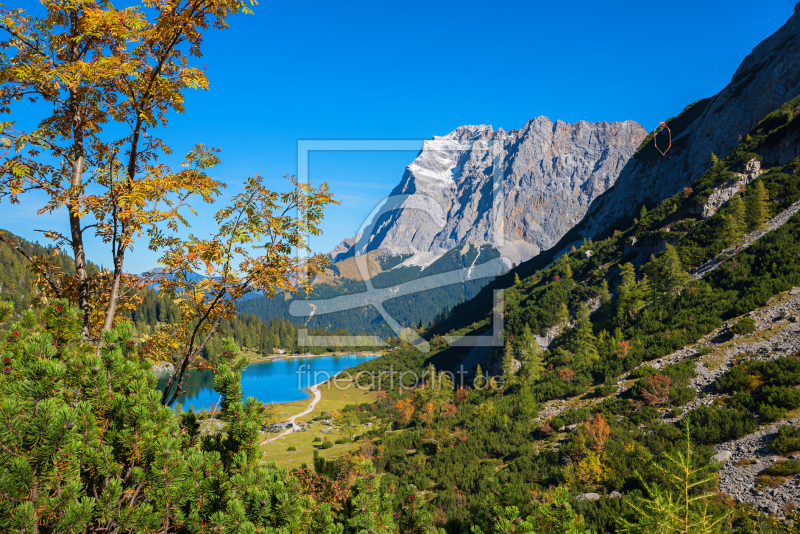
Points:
x=446 y=195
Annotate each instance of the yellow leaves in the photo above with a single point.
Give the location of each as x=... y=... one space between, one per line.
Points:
x=590 y=470
x=405 y=409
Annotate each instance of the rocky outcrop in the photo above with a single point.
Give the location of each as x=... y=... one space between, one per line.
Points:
x=732 y=187
x=519 y=191
x=767 y=78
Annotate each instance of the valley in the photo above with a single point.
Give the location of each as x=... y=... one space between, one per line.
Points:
x=561 y=328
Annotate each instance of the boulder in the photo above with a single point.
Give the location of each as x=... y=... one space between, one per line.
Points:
x=722 y=456
x=588 y=497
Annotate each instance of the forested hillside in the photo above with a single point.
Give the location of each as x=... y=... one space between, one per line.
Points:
x=249 y=331
x=409 y=310
x=625 y=381
x=16 y=281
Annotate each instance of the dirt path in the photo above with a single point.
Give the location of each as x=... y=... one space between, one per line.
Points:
x=317 y=396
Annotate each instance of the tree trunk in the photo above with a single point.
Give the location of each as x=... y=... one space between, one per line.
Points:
x=78 y=153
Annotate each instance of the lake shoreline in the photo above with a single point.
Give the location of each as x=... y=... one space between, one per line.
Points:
x=294 y=356
x=281 y=380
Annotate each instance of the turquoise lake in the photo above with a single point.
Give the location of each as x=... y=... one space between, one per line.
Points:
x=274 y=381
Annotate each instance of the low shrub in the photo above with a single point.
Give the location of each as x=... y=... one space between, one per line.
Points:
x=316 y=439
x=702 y=350
x=643 y=372
x=788 y=440
x=715 y=424
x=605 y=391
x=746 y=325
x=682 y=396
x=769 y=413
x=327 y=445
x=646 y=415
x=292 y=448
x=784 y=469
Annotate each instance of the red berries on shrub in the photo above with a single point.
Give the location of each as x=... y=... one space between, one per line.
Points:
x=59 y=309
x=6 y=370
x=15 y=333
x=6 y=360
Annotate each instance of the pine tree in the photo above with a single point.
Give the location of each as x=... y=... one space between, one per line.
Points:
x=89 y=428
x=480 y=379
x=562 y=314
x=604 y=294
x=517 y=281
x=759 y=206
x=583 y=341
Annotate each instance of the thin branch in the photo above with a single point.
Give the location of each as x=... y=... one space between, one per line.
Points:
x=46 y=275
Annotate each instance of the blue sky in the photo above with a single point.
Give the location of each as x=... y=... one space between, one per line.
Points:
x=411 y=70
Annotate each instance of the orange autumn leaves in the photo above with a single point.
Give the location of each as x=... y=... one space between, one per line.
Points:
x=433 y=399
x=590 y=440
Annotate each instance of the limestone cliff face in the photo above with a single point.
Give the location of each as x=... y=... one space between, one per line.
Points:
x=518 y=191
x=767 y=78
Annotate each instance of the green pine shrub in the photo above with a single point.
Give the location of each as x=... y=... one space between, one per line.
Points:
x=88 y=446
x=746 y=325
x=788 y=440
x=784 y=469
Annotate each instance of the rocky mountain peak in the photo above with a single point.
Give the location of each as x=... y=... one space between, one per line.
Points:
x=519 y=191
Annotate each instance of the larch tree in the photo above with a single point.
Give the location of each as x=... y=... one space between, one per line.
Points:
x=759 y=206
x=532 y=355
x=666 y=274
x=562 y=314
x=509 y=362
x=739 y=214
x=604 y=294
x=583 y=342
x=631 y=294
x=480 y=380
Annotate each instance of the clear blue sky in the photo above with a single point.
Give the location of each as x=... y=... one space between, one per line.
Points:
x=411 y=70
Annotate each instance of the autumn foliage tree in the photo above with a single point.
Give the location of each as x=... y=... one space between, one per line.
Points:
x=656 y=389
x=103 y=80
